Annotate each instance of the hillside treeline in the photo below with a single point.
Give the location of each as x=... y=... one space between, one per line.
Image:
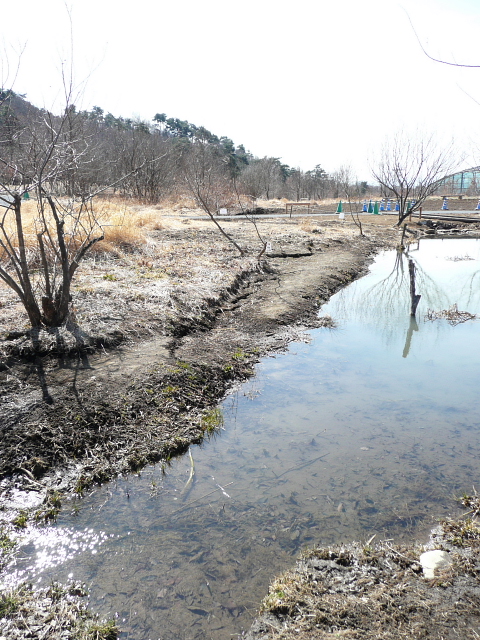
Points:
x=151 y=161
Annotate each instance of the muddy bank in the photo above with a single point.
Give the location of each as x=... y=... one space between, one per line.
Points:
x=68 y=422
x=380 y=590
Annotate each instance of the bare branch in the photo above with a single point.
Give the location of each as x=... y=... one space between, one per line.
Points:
x=451 y=64
x=206 y=180
x=410 y=168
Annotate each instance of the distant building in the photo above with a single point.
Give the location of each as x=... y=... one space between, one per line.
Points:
x=463 y=183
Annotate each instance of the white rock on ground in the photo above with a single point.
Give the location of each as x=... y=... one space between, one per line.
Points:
x=432 y=560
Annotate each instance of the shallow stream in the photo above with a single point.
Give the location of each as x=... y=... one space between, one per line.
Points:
x=372 y=427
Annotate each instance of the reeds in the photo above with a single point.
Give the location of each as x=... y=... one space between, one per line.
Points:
x=123 y=225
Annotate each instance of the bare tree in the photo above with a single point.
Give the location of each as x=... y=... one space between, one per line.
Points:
x=48 y=161
x=296 y=184
x=348 y=188
x=317 y=183
x=213 y=186
x=262 y=178
x=251 y=217
x=410 y=168
x=158 y=158
x=207 y=178
x=39 y=254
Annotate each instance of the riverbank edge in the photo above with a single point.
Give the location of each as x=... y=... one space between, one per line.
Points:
x=260 y=314
x=381 y=590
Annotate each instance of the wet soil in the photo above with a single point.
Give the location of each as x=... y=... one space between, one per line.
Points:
x=379 y=591
x=68 y=421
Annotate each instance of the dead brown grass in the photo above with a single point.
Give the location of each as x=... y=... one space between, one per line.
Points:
x=141 y=278
x=122 y=230
x=379 y=591
x=308 y=225
x=56 y=612
x=374 y=592
x=29 y=210
x=124 y=225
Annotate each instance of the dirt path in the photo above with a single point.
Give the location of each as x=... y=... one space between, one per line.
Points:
x=274 y=306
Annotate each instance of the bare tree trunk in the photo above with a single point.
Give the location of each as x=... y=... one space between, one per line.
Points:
x=252 y=220
x=203 y=173
x=401 y=247
x=29 y=301
x=404 y=215
x=208 y=211
x=415 y=298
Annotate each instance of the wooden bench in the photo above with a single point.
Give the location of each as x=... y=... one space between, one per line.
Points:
x=297 y=204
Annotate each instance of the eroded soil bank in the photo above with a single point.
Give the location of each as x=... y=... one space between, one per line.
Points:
x=381 y=591
x=69 y=421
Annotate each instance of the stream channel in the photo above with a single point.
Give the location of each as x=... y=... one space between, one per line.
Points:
x=370 y=428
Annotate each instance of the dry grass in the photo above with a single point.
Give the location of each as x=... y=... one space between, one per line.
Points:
x=122 y=230
x=453 y=316
x=140 y=280
x=368 y=593
x=55 y=612
x=178 y=203
x=308 y=225
x=276 y=203
x=124 y=225
x=29 y=211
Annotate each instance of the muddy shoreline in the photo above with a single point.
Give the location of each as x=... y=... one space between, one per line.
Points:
x=379 y=590
x=76 y=421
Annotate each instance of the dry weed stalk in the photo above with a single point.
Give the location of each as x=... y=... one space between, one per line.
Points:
x=453 y=316
x=307 y=225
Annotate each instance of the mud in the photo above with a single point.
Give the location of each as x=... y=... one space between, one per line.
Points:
x=379 y=590
x=69 y=421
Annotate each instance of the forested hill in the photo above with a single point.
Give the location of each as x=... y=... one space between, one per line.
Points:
x=157 y=157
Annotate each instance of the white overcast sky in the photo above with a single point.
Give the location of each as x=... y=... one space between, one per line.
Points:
x=309 y=81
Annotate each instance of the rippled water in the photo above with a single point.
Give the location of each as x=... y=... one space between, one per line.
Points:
x=373 y=427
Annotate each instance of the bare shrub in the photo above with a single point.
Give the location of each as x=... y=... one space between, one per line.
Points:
x=410 y=168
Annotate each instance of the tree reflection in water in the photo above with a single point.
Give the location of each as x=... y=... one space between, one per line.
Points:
x=389 y=302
